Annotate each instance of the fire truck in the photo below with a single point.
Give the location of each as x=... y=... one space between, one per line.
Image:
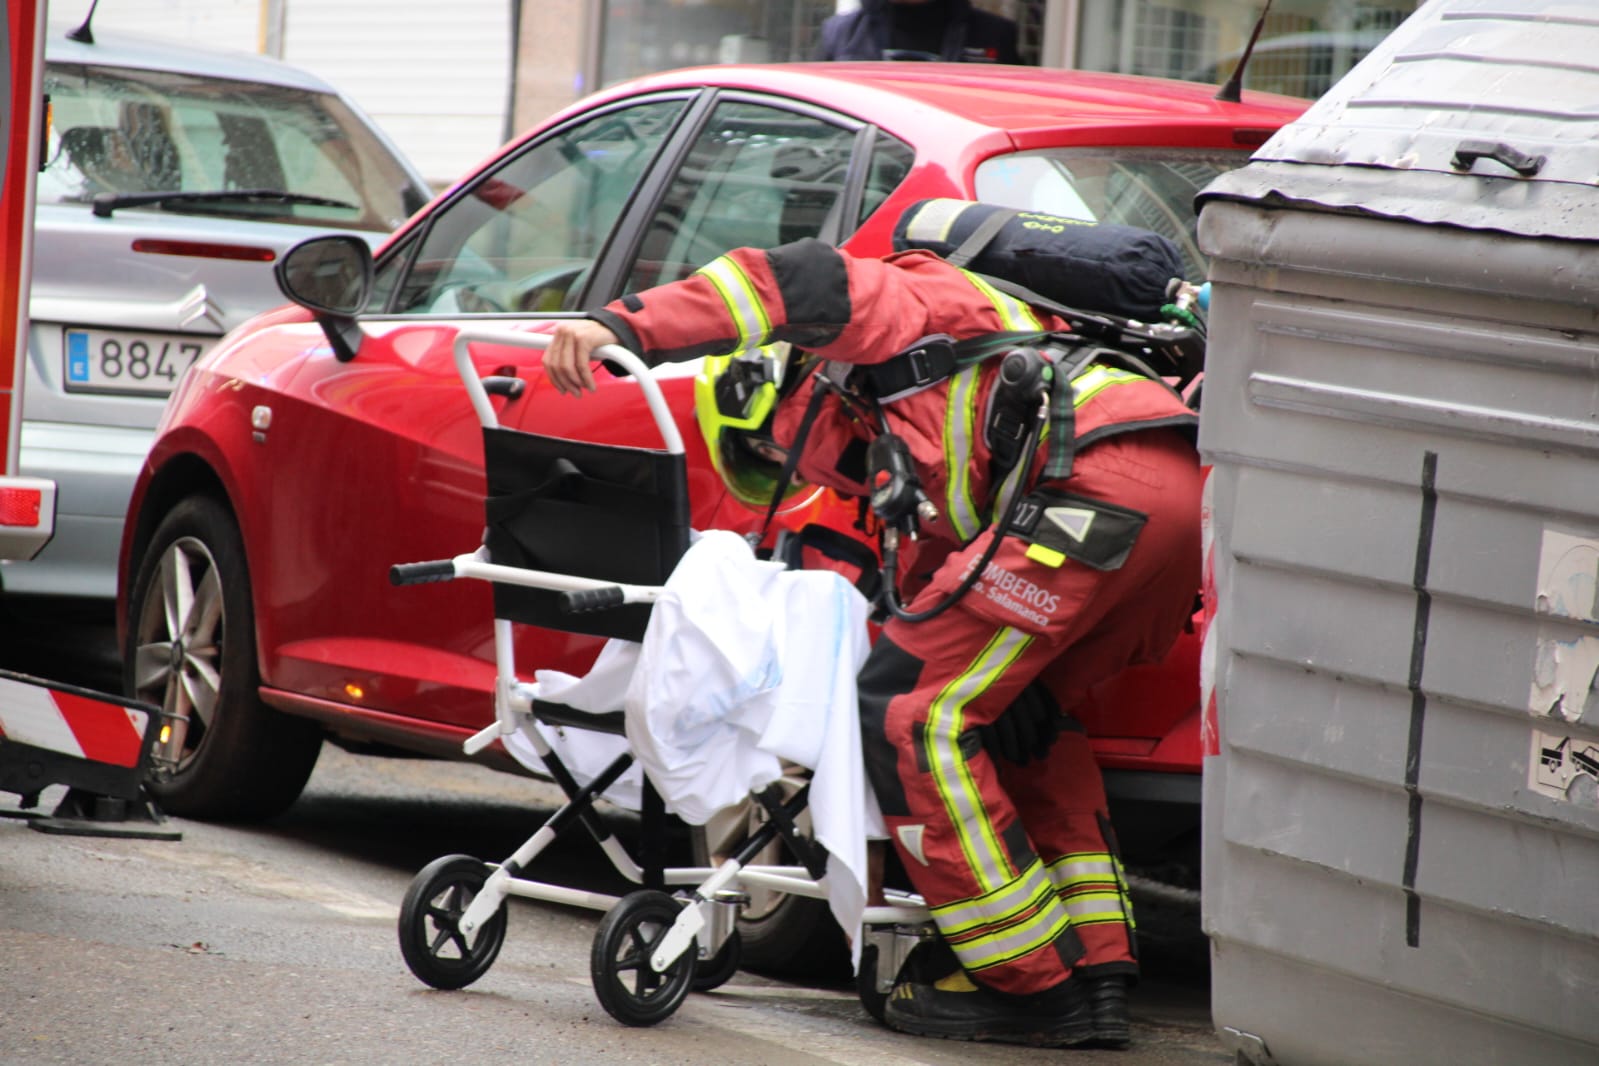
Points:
x=98 y=746
x=27 y=505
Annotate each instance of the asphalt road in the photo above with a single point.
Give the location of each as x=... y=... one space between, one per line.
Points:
x=275 y=943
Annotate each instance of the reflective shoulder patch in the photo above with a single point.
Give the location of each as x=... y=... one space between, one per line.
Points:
x=1063 y=525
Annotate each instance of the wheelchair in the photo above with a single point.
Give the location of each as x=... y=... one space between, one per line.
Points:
x=581 y=537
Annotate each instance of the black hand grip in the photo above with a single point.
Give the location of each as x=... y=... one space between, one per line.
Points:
x=1468 y=152
x=592 y=600
x=504 y=385
x=421 y=573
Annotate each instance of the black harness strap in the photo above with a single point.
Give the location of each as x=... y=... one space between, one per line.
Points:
x=1062 y=423
x=791 y=460
x=1120 y=335
x=933 y=359
x=978 y=239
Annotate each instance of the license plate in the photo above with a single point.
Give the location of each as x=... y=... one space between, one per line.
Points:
x=103 y=360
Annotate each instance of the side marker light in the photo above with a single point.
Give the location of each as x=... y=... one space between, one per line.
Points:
x=20 y=507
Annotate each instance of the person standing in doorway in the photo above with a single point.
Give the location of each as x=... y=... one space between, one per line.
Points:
x=950 y=30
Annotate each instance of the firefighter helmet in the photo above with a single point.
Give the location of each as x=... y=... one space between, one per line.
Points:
x=735 y=399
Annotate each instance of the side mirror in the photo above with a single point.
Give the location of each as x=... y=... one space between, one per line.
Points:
x=332 y=278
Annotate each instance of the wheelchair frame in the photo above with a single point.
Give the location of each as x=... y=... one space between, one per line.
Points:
x=651 y=948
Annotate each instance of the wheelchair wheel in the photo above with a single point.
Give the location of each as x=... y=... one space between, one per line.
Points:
x=719 y=969
x=430 y=935
x=628 y=989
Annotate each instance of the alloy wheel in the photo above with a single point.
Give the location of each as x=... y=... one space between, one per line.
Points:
x=177 y=660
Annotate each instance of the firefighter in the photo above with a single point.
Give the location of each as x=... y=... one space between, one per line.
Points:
x=991 y=796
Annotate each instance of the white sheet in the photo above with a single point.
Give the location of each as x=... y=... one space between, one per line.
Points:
x=583 y=752
x=744 y=664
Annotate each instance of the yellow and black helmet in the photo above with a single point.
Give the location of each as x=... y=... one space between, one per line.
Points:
x=735 y=400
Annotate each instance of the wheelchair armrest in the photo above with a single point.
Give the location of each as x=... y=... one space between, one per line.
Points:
x=559 y=714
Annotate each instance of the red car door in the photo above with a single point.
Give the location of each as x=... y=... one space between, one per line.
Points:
x=384 y=450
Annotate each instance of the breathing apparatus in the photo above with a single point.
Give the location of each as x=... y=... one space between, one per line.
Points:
x=1018 y=413
x=736 y=396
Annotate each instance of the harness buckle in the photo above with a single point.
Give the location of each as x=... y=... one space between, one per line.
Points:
x=927 y=362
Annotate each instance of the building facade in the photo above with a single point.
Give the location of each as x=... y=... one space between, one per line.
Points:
x=451 y=84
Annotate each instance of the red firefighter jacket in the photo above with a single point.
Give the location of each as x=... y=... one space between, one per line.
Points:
x=866 y=310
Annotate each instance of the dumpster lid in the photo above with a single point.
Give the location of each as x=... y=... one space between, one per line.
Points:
x=1490 y=108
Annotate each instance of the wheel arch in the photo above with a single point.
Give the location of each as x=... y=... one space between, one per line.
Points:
x=182 y=476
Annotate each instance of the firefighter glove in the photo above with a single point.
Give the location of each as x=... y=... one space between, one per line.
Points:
x=1027 y=728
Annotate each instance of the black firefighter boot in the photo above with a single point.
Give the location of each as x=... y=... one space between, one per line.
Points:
x=956 y=1009
x=1107 y=998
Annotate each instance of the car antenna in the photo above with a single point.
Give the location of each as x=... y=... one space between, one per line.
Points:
x=83 y=33
x=1232 y=91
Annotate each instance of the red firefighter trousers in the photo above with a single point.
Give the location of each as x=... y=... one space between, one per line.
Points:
x=1017 y=862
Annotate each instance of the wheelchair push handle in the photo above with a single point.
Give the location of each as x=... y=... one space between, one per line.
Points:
x=422 y=573
x=575 y=593
x=593 y=600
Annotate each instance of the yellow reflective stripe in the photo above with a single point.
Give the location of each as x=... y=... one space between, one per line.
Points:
x=1003 y=925
x=1013 y=314
x=960 y=427
x=932 y=221
x=745 y=309
x=1095 y=907
x=1028 y=891
x=1015 y=942
x=1096 y=379
x=961 y=417
x=963 y=803
x=1082 y=868
x=1124 y=892
x=1094 y=887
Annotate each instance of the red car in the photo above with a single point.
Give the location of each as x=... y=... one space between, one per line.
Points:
x=300 y=459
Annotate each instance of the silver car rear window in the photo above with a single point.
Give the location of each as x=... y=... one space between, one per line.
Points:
x=120 y=130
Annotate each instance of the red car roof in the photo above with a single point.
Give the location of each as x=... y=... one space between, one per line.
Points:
x=1025 y=101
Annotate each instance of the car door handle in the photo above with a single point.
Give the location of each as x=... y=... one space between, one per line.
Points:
x=504 y=385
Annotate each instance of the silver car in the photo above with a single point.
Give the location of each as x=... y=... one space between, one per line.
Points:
x=172 y=179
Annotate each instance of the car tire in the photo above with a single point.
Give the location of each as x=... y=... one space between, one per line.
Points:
x=781 y=935
x=237 y=758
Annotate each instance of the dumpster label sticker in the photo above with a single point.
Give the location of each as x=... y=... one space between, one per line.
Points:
x=1566 y=663
x=1209 y=722
x=1564 y=768
x=1564 y=670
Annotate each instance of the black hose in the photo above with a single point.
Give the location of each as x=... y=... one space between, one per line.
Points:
x=891 y=550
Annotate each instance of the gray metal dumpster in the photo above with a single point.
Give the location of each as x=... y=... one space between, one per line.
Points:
x=1401 y=857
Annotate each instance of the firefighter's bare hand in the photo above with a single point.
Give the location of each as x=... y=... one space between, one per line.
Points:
x=569 y=358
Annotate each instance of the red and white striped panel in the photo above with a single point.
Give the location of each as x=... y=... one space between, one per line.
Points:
x=71 y=724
